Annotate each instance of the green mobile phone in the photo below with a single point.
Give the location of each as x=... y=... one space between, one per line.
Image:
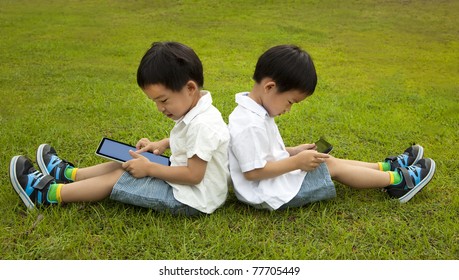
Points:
x=323 y=146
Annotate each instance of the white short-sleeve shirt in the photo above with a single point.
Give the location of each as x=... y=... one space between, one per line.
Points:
x=202 y=132
x=255 y=140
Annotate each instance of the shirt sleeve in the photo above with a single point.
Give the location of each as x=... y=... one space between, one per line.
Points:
x=251 y=148
x=202 y=141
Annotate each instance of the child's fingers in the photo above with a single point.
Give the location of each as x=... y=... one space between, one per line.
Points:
x=142 y=143
x=309 y=146
x=125 y=165
x=321 y=155
x=134 y=154
x=141 y=150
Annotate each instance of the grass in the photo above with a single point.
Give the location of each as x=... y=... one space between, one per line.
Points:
x=388 y=77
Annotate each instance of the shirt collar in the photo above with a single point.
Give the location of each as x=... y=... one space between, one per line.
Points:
x=203 y=104
x=245 y=101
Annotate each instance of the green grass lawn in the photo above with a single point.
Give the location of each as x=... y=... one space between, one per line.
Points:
x=388 y=76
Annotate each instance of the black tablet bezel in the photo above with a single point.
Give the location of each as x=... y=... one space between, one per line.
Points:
x=111 y=157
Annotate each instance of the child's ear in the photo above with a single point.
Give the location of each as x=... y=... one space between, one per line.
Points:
x=270 y=86
x=191 y=86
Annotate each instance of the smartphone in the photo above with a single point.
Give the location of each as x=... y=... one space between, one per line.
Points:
x=323 y=146
x=118 y=151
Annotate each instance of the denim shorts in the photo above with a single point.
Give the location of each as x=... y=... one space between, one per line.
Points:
x=317 y=185
x=151 y=193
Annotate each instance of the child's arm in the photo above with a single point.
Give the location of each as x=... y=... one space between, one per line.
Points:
x=192 y=174
x=307 y=160
x=295 y=150
x=157 y=147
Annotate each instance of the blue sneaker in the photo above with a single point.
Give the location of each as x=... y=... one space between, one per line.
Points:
x=414 y=178
x=50 y=164
x=409 y=157
x=31 y=185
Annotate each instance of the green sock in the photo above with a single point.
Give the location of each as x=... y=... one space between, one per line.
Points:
x=384 y=166
x=54 y=193
x=68 y=173
x=395 y=177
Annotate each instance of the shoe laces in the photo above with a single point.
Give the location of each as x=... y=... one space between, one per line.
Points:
x=36 y=177
x=413 y=168
x=402 y=157
x=55 y=160
x=415 y=173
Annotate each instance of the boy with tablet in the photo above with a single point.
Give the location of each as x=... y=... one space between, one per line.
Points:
x=171 y=75
x=268 y=175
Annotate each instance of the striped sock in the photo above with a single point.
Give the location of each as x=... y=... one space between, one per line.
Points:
x=70 y=173
x=54 y=193
x=384 y=166
x=395 y=177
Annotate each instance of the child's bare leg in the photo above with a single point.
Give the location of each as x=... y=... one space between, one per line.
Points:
x=96 y=170
x=92 y=189
x=371 y=165
x=356 y=175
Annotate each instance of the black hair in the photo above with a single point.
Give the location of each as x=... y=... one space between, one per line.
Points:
x=289 y=66
x=171 y=64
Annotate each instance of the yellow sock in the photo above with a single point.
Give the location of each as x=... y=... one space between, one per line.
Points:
x=391 y=178
x=73 y=176
x=54 y=193
x=58 y=193
x=395 y=177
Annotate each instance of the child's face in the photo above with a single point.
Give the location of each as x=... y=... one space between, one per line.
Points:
x=173 y=104
x=280 y=103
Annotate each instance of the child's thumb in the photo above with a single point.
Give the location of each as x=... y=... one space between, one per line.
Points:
x=134 y=154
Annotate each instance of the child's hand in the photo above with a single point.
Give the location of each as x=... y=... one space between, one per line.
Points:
x=295 y=150
x=137 y=166
x=158 y=148
x=309 y=160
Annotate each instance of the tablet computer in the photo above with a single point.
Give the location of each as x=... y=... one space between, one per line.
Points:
x=118 y=151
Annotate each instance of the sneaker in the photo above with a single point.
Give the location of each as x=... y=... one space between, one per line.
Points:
x=409 y=157
x=31 y=185
x=414 y=178
x=50 y=164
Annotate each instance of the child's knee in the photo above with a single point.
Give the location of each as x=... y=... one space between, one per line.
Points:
x=331 y=163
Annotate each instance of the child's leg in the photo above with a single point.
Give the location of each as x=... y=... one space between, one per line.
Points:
x=96 y=170
x=92 y=189
x=35 y=188
x=409 y=157
x=63 y=171
x=371 y=165
x=357 y=174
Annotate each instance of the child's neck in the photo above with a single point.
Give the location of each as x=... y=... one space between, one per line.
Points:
x=256 y=93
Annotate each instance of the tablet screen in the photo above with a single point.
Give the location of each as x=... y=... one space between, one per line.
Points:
x=118 y=151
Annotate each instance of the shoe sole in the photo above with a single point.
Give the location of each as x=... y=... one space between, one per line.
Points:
x=40 y=161
x=409 y=195
x=17 y=186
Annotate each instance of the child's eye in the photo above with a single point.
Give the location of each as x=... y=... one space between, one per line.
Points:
x=163 y=101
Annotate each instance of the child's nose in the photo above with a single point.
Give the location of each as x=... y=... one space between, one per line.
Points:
x=160 y=107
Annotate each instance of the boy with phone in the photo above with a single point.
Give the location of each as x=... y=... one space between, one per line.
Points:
x=268 y=175
x=171 y=75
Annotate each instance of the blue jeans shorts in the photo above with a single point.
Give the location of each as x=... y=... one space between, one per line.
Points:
x=317 y=185
x=151 y=193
